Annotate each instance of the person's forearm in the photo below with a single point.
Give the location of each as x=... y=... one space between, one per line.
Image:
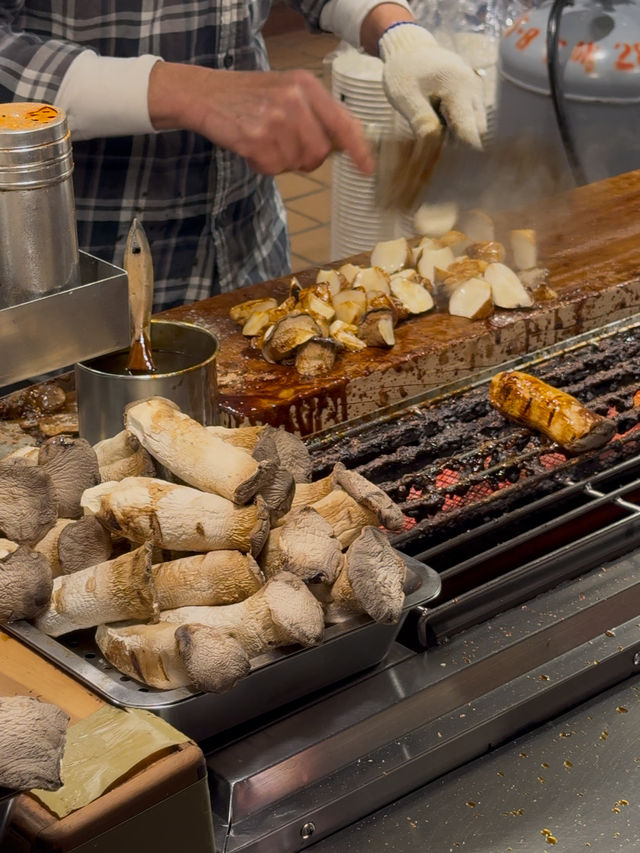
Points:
x=378 y=20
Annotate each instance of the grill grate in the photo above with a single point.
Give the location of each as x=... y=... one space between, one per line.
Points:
x=453 y=464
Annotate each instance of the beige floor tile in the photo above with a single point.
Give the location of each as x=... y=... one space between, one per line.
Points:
x=298 y=222
x=316 y=205
x=298 y=263
x=312 y=245
x=293 y=185
x=323 y=173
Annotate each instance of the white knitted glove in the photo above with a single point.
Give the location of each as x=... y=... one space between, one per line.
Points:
x=417 y=72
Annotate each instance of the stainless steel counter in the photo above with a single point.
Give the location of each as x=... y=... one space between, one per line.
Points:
x=571 y=785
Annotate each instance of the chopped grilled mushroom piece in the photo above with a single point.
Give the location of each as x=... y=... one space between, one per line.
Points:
x=371 y=580
x=490 y=251
x=534 y=278
x=32 y=739
x=477 y=225
x=257 y=323
x=113 y=591
x=218 y=577
x=167 y=657
x=456 y=241
x=346 y=335
x=507 y=291
x=241 y=312
x=471 y=299
x=376 y=328
x=177 y=518
x=460 y=271
x=316 y=357
x=350 y=304
x=334 y=278
x=413 y=296
x=25 y=584
x=524 y=248
x=35 y=400
x=372 y=278
x=541 y=407
x=391 y=255
x=434 y=220
x=48 y=545
x=72 y=464
x=193 y=454
x=284 y=337
x=282 y=613
x=428 y=259
x=28 y=502
x=349 y=271
x=316 y=300
x=304 y=545
x=83 y=543
x=123 y=456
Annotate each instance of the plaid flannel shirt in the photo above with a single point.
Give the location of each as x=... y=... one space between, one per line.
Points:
x=212 y=223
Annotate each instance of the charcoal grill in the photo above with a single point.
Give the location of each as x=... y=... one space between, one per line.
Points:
x=539 y=559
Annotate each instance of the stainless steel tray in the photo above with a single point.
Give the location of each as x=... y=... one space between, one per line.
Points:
x=276 y=678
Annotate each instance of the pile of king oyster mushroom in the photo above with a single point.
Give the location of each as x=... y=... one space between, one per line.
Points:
x=186 y=581
x=462 y=270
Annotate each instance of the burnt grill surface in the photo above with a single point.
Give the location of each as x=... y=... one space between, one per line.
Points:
x=455 y=464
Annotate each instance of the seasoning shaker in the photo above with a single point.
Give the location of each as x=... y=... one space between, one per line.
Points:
x=38 y=232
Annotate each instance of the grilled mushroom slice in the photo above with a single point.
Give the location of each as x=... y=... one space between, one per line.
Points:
x=431 y=258
x=28 y=502
x=541 y=407
x=83 y=543
x=282 y=613
x=471 y=299
x=194 y=454
x=507 y=290
x=524 y=248
x=350 y=304
x=284 y=337
x=346 y=335
x=371 y=580
x=32 y=739
x=376 y=328
x=412 y=295
x=123 y=456
x=72 y=464
x=166 y=657
x=316 y=300
x=304 y=545
x=25 y=584
x=434 y=220
x=391 y=255
x=489 y=250
x=177 y=518
x=372 y=279
x=334 y=278
x=316 y=357
x=218 y=577
x=113 y=591
x=244 y=310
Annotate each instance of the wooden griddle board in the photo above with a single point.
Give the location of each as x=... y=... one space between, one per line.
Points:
x=589 y=239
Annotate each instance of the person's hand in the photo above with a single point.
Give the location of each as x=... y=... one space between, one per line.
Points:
x=418 y=73
x=278 y=121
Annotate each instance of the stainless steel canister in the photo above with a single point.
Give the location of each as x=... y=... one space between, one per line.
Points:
x=38 y=232
x=185 y=356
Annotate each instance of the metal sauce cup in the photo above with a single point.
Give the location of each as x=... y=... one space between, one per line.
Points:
x=185 y=356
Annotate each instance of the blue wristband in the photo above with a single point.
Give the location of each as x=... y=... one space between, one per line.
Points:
x=396 y=24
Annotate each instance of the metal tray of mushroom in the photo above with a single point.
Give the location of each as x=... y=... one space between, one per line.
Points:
x=277 y=677
x=232 y=586
x=461 y=270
